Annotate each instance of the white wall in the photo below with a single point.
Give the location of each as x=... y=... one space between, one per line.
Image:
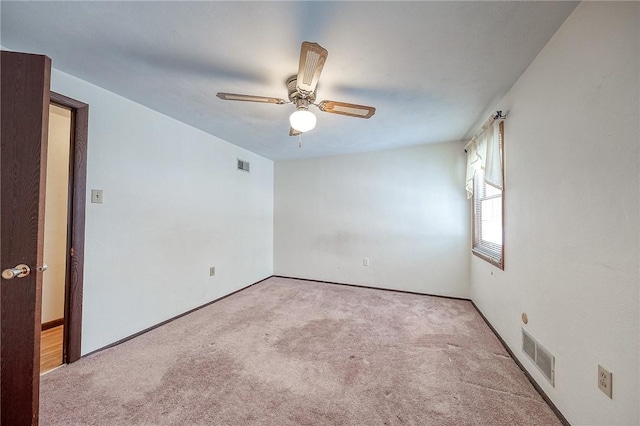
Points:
x=403 y=209
x=174 y=205
x=55 y=221
x=572 y=214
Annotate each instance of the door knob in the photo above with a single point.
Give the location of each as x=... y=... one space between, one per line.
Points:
x=19 y=271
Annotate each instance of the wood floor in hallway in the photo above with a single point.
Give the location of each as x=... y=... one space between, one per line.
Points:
x=51 y=348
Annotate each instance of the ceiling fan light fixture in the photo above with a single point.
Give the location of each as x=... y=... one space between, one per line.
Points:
x=301 y=91
x=302 y=120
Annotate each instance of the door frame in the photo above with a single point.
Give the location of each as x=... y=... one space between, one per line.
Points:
x=74 y=277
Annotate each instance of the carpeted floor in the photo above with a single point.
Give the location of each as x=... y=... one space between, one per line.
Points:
x=291 y=352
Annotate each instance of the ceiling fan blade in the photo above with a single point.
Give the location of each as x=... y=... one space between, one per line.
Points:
x=312 y=58
x=249 y=98
x=294 y=132
x=343 y=108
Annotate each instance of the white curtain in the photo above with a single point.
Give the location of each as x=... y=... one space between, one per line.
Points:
x=483 y=152
x=493 y=163
x=474 y=162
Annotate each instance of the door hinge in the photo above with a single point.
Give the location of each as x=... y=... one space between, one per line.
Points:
x=72 y=252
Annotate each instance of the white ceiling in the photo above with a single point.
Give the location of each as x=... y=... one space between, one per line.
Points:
x=433 y=70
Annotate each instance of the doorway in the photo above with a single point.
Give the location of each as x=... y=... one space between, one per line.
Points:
x=56 y=241
x=64 y=232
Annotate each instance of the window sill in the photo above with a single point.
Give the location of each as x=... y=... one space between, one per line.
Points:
x=498 y=263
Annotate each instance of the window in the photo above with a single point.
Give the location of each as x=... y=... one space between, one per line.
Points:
x=488 y=207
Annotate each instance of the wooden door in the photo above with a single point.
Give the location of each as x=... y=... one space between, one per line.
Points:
x=24 y=125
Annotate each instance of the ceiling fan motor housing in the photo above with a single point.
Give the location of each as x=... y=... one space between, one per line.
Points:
x=295 y=94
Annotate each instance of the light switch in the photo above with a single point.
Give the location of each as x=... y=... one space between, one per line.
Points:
x=96 y=196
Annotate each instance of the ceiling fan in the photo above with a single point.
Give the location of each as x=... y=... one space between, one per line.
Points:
x=302 y=93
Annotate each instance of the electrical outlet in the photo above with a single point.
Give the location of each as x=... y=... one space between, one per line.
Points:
x=365 y=261
x=605 y=381
x=212 y=271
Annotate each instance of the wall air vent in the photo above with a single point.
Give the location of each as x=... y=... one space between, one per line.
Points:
x=243 y=165
x=529 y=345
x=540 y=356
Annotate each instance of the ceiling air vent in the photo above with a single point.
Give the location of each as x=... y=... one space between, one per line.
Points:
x=540 y=356
x=243 y=165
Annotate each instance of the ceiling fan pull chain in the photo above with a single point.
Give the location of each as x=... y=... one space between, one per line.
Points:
x=300 y=140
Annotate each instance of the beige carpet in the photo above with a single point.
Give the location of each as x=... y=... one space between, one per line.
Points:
x=291 y=352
